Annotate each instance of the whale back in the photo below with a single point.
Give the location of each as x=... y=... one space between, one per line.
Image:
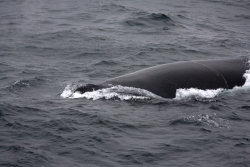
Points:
x=164 y=80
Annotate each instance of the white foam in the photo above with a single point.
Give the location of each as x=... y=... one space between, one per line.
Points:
x=120 y=92
x=68 y=91
x=197 y=93
x=245 y=87
x=247 y=76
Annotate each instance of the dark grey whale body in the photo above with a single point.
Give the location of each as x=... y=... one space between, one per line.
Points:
x=164 y=80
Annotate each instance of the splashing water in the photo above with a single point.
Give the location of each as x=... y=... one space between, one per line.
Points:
x=192 y=92
x=120 y=92
x=247 y=76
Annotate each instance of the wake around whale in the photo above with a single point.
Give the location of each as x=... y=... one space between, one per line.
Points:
x=163 y=80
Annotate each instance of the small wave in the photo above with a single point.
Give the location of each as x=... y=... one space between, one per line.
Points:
x=115 y=8
x=242 y=16
x=106 y=63
x=160 y=16
x=209 y=120
x=31 y=82
x=150 y=20
x=204 y=119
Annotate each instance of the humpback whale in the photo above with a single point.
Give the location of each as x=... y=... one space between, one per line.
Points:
x=163 y=80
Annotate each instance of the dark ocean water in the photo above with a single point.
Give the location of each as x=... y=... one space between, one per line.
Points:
x=48 y=48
